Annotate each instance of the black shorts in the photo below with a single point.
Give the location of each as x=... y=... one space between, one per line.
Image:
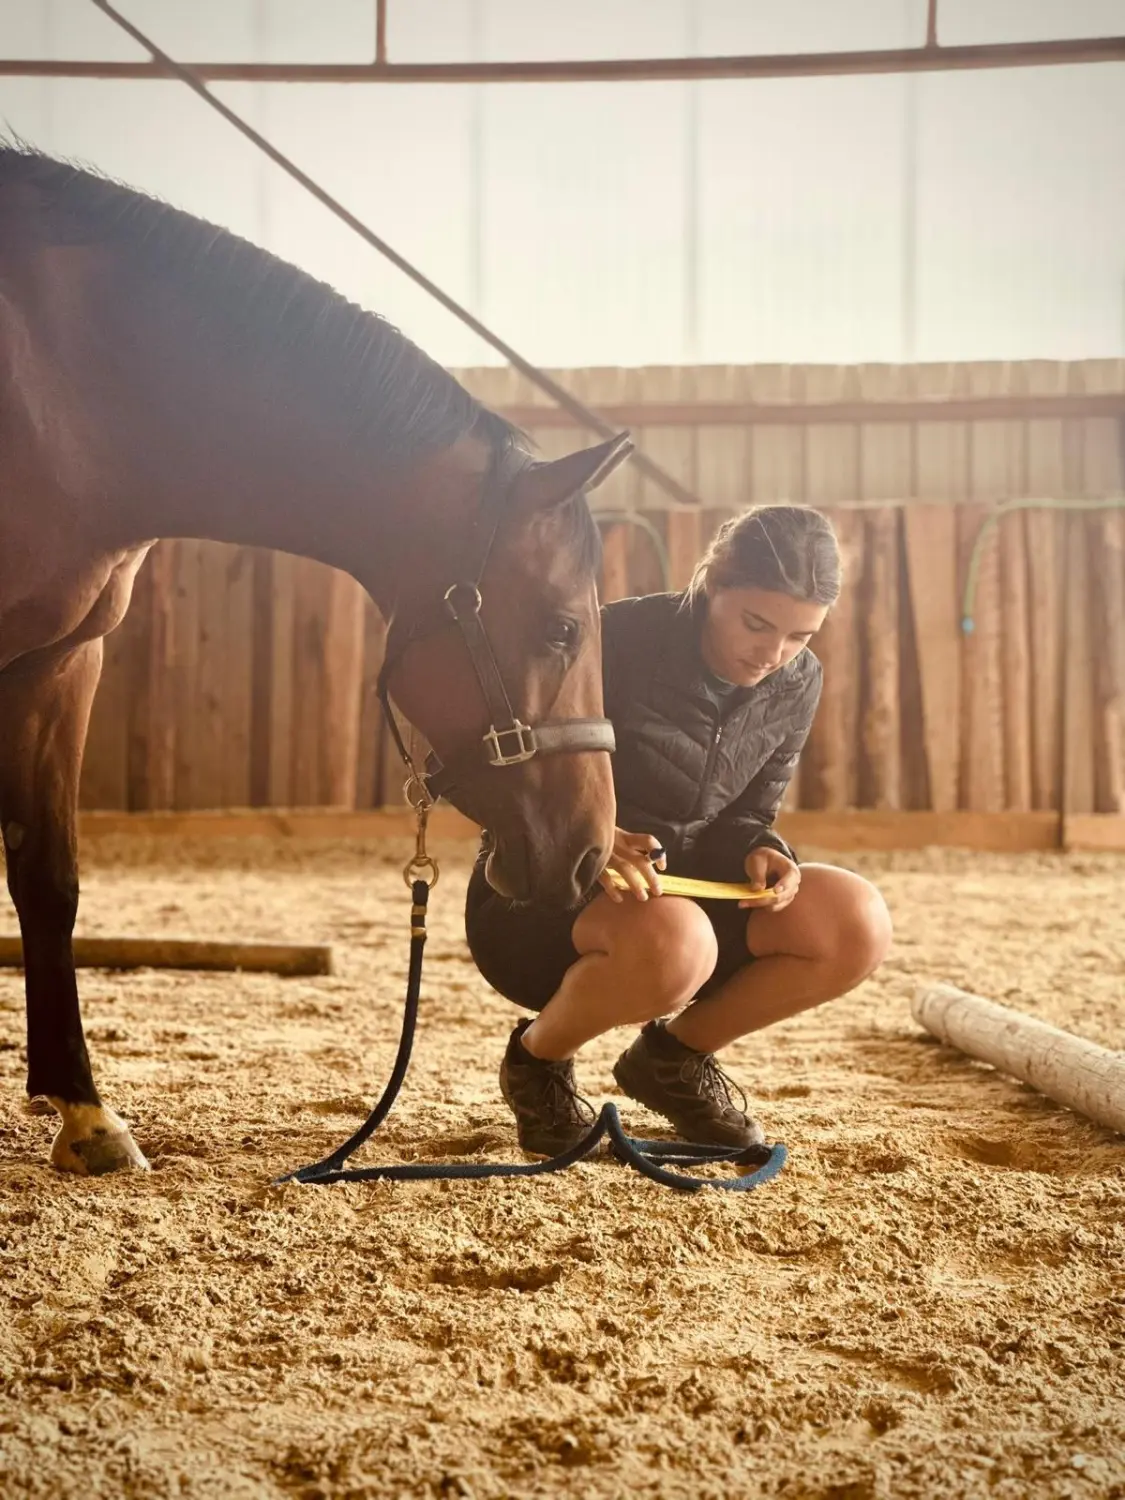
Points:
x=524 y=951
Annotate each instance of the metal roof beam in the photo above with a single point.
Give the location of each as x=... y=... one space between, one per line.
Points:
x=927 y=59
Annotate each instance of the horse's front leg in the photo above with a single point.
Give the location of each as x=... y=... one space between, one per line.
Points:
x=44 y=714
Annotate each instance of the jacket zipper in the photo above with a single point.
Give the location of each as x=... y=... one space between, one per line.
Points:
x=709 y=768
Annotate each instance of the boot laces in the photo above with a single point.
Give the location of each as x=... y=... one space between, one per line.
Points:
x=561 y=1097
x=706 y=1075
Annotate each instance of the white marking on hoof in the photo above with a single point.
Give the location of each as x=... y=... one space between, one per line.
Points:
x=93 y=1140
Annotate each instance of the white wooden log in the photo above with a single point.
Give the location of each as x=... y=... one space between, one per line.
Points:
x=1085 y=1077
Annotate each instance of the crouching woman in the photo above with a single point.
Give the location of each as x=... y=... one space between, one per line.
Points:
x=711 y=693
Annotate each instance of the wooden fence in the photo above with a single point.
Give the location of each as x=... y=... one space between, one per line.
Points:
x=246 y=678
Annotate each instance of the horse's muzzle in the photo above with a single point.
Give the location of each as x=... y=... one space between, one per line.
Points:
x=549 y=878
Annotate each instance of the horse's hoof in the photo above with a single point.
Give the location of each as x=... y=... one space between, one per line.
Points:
x=93 y=1140
x=39 y=1104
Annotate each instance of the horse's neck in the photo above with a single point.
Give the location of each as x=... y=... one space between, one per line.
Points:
x=151 y=422
x=229 y=463
x=289 y=507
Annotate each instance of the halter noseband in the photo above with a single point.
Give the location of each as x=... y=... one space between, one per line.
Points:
x=508 y=741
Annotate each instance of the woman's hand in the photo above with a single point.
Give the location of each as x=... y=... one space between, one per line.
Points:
x=769 y=869
x=631 y=858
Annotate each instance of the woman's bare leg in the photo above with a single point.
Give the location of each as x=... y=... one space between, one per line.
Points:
x=640 y=959
x=834 y=934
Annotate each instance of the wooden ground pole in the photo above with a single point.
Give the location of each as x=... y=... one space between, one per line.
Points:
x=1085 y=1077
x=186 y=953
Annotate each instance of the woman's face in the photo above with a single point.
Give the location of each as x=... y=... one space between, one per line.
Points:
x=749 y=633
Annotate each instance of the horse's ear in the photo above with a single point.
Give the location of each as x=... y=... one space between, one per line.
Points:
x=544 y=485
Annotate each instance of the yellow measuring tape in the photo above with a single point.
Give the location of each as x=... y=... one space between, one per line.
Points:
x=710 y=890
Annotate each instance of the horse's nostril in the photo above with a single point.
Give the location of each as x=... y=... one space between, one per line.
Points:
x=589 y=868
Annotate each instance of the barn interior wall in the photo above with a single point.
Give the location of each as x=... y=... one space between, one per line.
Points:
x=244 y=677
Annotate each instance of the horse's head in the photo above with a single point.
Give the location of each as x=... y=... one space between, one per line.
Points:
x=533 y=614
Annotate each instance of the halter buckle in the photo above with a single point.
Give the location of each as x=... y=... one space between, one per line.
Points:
x=525 y=747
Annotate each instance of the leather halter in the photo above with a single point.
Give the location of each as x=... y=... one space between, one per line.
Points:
x=508 y=740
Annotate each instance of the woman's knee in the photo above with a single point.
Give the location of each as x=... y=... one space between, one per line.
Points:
x=677 y=949
x=858 y=927
x=870 y=931
x=668 y=945
x=838 y=918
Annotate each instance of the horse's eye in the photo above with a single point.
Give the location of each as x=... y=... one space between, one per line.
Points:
x=562 y=633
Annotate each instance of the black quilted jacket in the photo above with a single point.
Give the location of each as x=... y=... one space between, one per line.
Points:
x=702 y=769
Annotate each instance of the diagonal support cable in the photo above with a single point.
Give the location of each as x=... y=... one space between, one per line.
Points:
x=581 y=413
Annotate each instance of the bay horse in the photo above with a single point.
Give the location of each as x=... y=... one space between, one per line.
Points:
x=160 y=377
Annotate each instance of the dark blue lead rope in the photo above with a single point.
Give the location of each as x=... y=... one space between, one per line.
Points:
x=648 y=1157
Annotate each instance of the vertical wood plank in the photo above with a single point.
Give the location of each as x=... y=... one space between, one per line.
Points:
x=237 y=683
x=633 y=566
x=996 y=451
x=624 y=551
x=685 y=546
x=615 y=563
x=880 y=739
x=261 y=674
x=829 y=765
x=1077 y=664
x=281 y=707
x=371 y=714
x=1103 y=444
x=622 y=490
x=982 y=732
x=341 y=690
x=1000 y=472
x=930 y=530
x=105 y=766
x=1078 y=692
x=677 y=451
x=777 y=466
x=138 y=718
x=185 y=670
x=930 y=536
x=151 y=708
x=723 y=469
x=130 y=653
x=1046 y=552
x=723 y=457
x=777 y=450
x=549 y=442
x=209 y=767
x=162 y=657
x=914 y=761
x=309 y=607
x=1046 y=559
x=887 y=468
x=831 y=461
x=1106 y=541
x=1015 y=662
x=673 y=448
x=1103 y=473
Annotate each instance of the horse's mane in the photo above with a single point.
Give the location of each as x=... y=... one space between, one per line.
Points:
x=374 y=380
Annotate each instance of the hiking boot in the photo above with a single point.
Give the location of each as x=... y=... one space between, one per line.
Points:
x=688 y=1088
x=551 y=1115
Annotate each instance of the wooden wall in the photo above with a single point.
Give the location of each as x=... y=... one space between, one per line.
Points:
x=246 y=678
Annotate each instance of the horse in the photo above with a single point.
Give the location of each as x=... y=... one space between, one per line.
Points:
x=160 y=377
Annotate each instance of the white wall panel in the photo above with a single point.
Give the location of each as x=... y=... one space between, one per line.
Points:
x=644 y=223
